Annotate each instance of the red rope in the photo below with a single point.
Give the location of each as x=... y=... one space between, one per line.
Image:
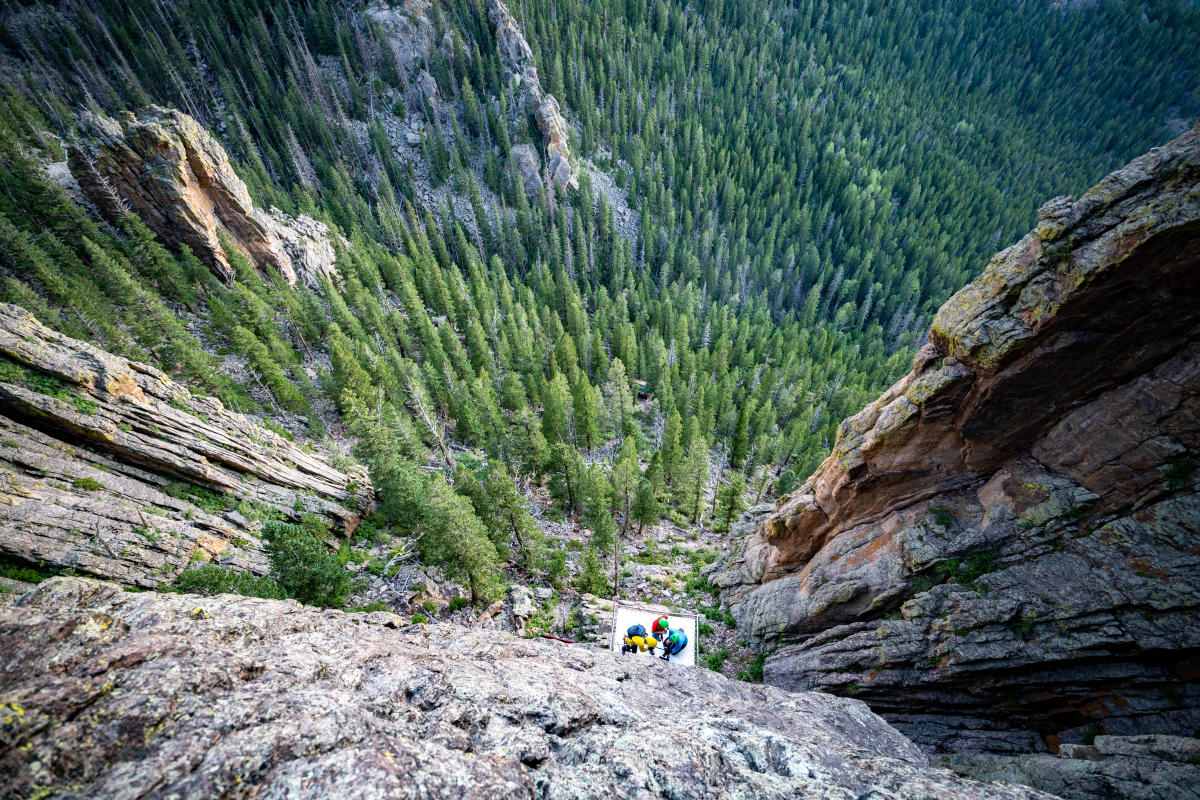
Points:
x=556 y=638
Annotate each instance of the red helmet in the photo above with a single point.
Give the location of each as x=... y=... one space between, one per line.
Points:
x=661 y=625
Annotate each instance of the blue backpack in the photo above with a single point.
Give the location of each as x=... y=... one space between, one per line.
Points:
x=636 y=630
x=676 y=641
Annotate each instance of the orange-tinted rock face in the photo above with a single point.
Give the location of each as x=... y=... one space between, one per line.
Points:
x=1004 y=545
x=164 y=166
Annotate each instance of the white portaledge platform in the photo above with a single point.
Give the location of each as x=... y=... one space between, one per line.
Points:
x=626 y=614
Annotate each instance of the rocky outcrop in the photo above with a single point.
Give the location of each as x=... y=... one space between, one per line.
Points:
x=163 y=165
x=112 y=468
x=1003 y=551
x=517 y=57
x=407 y=28
x=108 y=693
x=1117 y=767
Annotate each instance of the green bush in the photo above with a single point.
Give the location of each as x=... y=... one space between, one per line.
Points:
x=429 y=606
x=1179 y=472
x=378 y=605
x=304 y=567
x=17 y=570
x=211 y=579
x=458 y=602
x=755 y=673
x=419 y=619
x=942 y=516
x=88 y=484
x=717 y=660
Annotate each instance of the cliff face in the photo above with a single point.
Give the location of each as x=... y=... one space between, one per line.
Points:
x=1003 y=551
x=518 y=58
x=164 y=166
x=113 y=469
x=108 y=693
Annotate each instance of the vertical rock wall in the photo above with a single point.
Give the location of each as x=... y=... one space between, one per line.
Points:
x=1003 y=551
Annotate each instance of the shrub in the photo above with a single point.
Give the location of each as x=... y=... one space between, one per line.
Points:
x=1179 y=471
x=717 y=660
x=942 y=516
x=429 y=606
x=17 y=570
x=85 y=404
x=88 y=484
x=211 y=579
x=304 y=567
x=458 y=602
x=755 y=673
x=419 y=619
x=378 y=605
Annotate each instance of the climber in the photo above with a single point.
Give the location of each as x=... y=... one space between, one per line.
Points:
x=660 y=626
x=673 y=643
x=636 y=639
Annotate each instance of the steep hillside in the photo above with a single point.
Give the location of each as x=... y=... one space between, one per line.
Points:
x=1001 y=553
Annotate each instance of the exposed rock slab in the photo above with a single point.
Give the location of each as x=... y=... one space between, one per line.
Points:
x=1003 y=550
x=517 y=57
x=89 y=466
x=163 y=165
x=1115 y=768
x=408 y=29
x=112 y=694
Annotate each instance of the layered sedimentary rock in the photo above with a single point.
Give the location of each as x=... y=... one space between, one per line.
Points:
x=108 y=693
x=163 y=165
x=518 y=60
x=1003 y=551
x=113 y=469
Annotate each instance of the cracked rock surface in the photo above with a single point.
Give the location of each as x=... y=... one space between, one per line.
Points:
x=164 y=165
x=106 y=464
x=114 y=694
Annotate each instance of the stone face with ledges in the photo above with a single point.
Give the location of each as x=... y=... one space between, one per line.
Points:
x=1002 y=554
x=91 y=470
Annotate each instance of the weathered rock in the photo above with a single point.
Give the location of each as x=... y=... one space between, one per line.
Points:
x=408 y=29
x=1004 y=549
x=518 y=601
x=96 y=447
x=112 y=694
x=594 y=619
x=1139 y=776
x=525 y=162
x=163 y=165
x=518 y=60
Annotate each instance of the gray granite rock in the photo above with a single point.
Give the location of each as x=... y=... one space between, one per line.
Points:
x=110 y=694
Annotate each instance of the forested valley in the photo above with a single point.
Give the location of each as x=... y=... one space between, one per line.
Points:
x=768 y=202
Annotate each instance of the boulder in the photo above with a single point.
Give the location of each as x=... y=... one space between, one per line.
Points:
x=108 y=693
